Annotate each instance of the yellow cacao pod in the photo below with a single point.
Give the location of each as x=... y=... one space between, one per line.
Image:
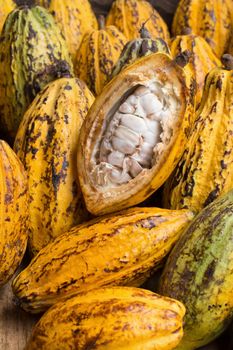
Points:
x=205 y=170
x=134 y=134
x=6 y=7
x=202 y=60
x=129 y=15
x=121 y=249
x=210 y=19
x=13 y=212
x=74 y=18
x=110 y=319
x=46 y=143
x=97 y=55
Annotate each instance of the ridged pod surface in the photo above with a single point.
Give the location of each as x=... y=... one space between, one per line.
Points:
x=138 y=48
x=199 y=273
x=6 y=7
x=46 y=143
x=134 y=135
x=109 y=319
x=202 y=59
x=210 y=19
x=129 y=15
x=97 y=55
x=206 y=168
x=13 y=212
x=74 y=18
x=122 y=249
x=32 y=53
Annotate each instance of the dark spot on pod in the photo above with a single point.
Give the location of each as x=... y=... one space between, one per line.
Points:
x=68 y=87
x=227 y=61
x=32 y=33
x=208 y=274
x=8 y=198
x=212 y=196
x=223 y=165
x=183 y=58
x=213 y=108
x=219 y=84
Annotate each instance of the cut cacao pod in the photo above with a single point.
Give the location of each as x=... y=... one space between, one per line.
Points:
x=13 y=212
x=210 y=19
x=199 y=273
x=134 y=134
x=109 y=319
x=205 y=170
x=46 y=143
x=120 y=249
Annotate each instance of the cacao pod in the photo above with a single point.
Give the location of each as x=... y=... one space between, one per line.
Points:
x=199 y=273
x=6 y=7
x=134 y=134
x=201 y=62
x=97 y=54
x=74 y=18
x=129 y=15
x=206 y=168
x=210 y=19
x=138 y=48
x=111 y=318
x=14 y=214
x=32 y=53
x=122 y=249
x=46 y=143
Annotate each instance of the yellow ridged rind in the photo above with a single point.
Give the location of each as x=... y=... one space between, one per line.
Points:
x=120 y=249
x=13 y=212
x=46 y=143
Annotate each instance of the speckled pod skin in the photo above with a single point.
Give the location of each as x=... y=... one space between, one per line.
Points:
x=136 y=49
x=13 y=212
x=205 y=170
x=122 y=249
x=32 y=53
x=46 y=143
x=129 y=15
x=100 y=200
x=97 y=55
x=6 y=7
x=199 y=273
x=74 y=18
x=201 y=62
x=210 y=19
x=110 y=319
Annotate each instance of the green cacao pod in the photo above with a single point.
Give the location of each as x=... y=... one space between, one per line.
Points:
x=121 y=249
x=110 y=319
x=199 y=273
x=32 y=53
x=137 y=48
x=46 y=143
x=13 y=212
x=206 y=168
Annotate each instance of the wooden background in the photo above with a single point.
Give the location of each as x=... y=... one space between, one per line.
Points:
x=15 y=324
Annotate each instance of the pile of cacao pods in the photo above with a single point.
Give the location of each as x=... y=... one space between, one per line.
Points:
x=116 y=161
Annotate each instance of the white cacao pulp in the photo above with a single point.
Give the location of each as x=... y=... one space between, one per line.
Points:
x=136 y=134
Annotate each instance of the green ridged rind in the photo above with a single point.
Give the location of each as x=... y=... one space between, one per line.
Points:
x=199 y=273
x=136 y=49
x=33 y=52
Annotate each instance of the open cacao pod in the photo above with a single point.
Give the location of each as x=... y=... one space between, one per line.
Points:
x=134 y=134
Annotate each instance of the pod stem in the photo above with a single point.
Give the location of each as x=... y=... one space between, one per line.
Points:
x=183 y=58
x=227 y=61
x=101 y=21
x=186 y=31
x=25 y=3
x=144 y=33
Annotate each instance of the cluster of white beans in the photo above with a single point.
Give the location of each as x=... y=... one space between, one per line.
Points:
x=136 y=132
